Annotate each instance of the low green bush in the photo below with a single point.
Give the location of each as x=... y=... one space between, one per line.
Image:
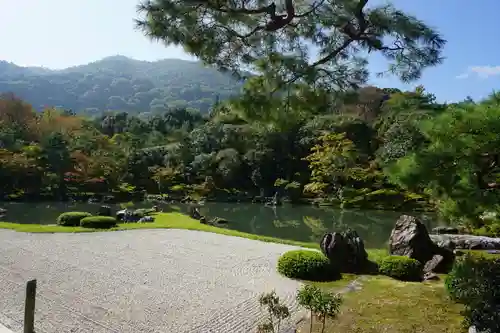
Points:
x=475 y=282
x=307 y=265
x=72 y=219
x=401 y=268
x=489 y=230
x=98 y=222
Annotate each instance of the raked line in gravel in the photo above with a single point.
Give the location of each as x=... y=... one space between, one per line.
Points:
x=140 y=281
x=4 y=329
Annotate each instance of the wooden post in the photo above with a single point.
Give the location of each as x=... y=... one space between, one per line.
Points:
x=29 y=307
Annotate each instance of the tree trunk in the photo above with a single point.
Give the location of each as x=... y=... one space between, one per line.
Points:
x=323 y=324
x=311 y=322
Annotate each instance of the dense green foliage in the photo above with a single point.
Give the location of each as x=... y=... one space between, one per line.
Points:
x=120 y=84
x=307 y=265
x=373 y=147
x=303 y=128
x=475 y=282
x=401 y=268
x=98 y=222
x=72 y=219
x=489 y=230
x=459 y=165
x=319 y=43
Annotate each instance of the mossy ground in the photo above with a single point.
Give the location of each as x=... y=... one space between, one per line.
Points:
x=387 y=305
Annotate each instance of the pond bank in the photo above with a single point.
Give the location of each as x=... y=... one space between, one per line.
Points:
x=398 y=202
x=306 y=224
x=168 y=221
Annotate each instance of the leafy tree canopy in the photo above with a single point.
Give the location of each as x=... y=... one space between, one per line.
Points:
x=320 y=42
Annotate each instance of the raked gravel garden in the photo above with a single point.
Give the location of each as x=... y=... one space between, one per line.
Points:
x=136 y=281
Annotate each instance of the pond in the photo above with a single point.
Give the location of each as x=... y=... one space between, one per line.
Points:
x=299 y=223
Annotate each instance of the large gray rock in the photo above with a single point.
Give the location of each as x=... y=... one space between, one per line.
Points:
x=466 y=242
x=410 y=238
x=146 y=219
x=127 y=216
x=346 y=250
x=433 y=265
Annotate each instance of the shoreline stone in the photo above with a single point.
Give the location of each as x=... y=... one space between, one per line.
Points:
x=467 y=242
x=345 y=250
x=410 y=238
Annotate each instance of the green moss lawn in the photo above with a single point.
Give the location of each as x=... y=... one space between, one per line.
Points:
x=387 y=305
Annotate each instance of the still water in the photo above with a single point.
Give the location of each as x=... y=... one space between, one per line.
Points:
x=300 y=223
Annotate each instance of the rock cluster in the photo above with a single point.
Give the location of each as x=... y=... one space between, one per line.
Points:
x=410 y=238
x=346 y=250
x=195 y=214
x=468 y=242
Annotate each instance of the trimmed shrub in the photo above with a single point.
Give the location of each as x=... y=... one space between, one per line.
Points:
x=307 y=265
x=475 y=282
x=72 y=219
x=401 y=268
x=98 y=222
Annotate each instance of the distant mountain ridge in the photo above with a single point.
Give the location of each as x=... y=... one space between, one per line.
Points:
x=119 y=83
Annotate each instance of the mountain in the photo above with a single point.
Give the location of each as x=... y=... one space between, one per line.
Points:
x=121 y=84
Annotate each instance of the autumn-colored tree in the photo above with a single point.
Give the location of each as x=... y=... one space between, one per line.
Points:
x=164 y=177
x=334 y=164
x=52 y=120
x=17 y=120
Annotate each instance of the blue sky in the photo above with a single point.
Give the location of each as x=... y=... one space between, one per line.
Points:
x=62 y=33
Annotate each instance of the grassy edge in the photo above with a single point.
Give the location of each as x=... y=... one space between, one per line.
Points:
x=171 y=220
x=384 y=304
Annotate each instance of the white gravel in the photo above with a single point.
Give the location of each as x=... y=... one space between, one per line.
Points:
x=169 y=281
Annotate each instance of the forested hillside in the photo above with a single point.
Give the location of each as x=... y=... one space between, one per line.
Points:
x=119 y=84
x=379 y=148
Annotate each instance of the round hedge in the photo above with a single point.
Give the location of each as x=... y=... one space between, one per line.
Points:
x=307 y=265
x=72 y=219
x=98 y=222
x=474 y=281
x=401 y=268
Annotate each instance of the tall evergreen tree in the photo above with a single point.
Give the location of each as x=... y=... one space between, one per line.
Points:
x=320 y=42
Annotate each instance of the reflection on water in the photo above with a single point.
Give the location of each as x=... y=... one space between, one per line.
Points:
x=307 y=223
x=302 y=223
x=47 y=212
